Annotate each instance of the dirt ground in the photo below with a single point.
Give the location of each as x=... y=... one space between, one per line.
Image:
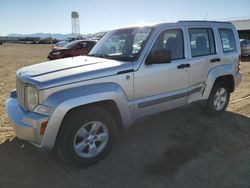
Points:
x=179 y=148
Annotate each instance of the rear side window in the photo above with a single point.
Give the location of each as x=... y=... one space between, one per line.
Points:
x=227 y=40
x=171 y=40
x=201 y=41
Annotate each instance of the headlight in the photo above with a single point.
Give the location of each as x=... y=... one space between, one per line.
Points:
x=56 y=53
x=32 y=97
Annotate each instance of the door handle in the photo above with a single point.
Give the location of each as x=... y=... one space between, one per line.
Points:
x=215 y=60
x=182 y=66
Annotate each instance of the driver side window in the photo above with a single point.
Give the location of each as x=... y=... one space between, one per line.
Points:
x=171 y=40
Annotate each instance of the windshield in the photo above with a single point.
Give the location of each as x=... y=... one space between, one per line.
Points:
x=122 y=44
x=62 y=43
x=71 y=44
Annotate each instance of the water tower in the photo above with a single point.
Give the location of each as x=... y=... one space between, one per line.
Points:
x=75 y=24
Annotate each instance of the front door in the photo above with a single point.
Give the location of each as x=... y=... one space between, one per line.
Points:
x=159 y=87
x=81 y=48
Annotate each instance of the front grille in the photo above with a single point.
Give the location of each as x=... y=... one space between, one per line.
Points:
x=20 y=88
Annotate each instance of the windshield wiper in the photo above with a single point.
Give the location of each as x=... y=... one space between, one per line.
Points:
x=115 y=57
x=121 y=57
x=99 y=55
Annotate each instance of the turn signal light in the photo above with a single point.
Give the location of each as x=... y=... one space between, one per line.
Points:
x=43 y=127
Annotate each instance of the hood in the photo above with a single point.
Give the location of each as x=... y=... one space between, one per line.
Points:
x=58 y=49
x=70 y=70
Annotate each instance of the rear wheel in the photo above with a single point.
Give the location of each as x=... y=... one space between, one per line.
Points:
x=86 y=137
x=218 y=99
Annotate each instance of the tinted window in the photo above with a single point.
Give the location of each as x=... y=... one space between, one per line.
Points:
x=227 y=40
x=171 y=40
x=201 y=41
x=84 y=44
x=72 y=44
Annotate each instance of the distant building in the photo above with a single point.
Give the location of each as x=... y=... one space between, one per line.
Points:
x=243 y=28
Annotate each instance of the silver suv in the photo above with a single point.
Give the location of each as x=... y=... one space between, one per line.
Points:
x=77 y=104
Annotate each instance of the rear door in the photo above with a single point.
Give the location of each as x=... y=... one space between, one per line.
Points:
x=202 y=55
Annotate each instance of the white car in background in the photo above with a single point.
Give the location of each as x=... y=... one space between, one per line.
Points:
x=245 y=47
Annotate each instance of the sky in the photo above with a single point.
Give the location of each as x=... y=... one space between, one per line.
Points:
x=53 y=16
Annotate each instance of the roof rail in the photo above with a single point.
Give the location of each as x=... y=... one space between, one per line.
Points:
x=202 y=21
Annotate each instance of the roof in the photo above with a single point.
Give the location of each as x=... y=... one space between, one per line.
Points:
x=194 y=23
x=202 y=21
x=183 y=22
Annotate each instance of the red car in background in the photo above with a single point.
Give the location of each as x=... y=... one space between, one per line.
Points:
x=74 y=48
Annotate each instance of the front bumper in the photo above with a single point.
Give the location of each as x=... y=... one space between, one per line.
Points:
x=26 y=125
x=238 y=78
x=52 y=57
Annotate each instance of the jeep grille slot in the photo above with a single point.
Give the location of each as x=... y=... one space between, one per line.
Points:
x=20 y=88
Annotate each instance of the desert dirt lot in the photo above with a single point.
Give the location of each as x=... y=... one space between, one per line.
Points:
x=180 y=148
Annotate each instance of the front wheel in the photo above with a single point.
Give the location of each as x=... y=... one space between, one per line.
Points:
x=86 y=137
x=218 y=99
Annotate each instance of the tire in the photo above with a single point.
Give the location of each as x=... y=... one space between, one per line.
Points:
x=218 y=99
x=78 y=146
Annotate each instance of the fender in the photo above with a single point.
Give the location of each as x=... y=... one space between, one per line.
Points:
x=213 y=74
x=65 y=100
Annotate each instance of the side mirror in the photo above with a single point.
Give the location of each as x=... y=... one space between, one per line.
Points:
x=159 y=57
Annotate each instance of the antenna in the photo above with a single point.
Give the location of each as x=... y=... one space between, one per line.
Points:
x=206 y=16
x=75 y=24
